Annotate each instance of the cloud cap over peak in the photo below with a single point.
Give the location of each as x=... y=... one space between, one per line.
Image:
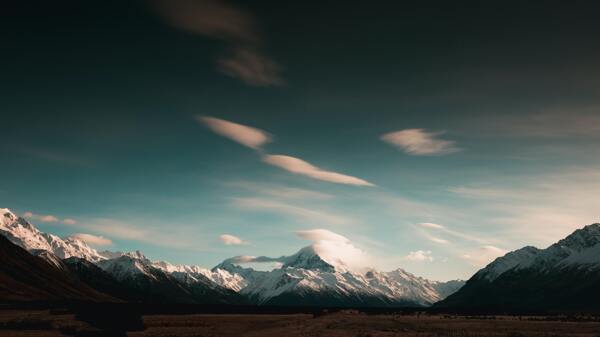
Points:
x=419 y=142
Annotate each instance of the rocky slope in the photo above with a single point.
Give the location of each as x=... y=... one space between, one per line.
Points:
x=564 y=276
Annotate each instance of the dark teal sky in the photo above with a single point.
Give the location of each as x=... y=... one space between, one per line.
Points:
x=99 y=101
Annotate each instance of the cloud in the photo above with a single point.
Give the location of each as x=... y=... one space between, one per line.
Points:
x=333 y=248
x=431 y=225
x=539 y=208
x=420 y=142
x=252 y=67
x=245 y=59
x=47 y=218
x=57 y=157
x=280 y=191
x=301 y=167
x=317 y=235
x=255 y=138
x=561 y=122
x=455 y=233
x=231 y=240
x=419 y=256
x=484 y=255
x=299 y=213
x=437 y=240
x=93 y=240
x=246 y=135
x=337 y=249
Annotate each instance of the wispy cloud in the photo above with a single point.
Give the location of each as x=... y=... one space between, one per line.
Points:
x=245 y=58
x=280 y=191
x=69 y=221
x=420 y=142
x=48 y=218
x=455 y=233
x=431 y=225
x=484 y=255
x=255 y=138
x=301 y=167
x=57 y=157
x=229 y=239
x=246 y=135
x=94 y=240
x=300 y=214
x=540 y=208
x=251 y=66
x=562 y=122
x=419 y=256
x=320 y=234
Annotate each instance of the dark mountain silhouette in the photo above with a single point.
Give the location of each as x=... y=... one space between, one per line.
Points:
x=564 y=276
x=24 y=277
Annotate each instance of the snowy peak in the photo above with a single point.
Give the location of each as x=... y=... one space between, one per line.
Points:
x=125 y=266
x=580 y=249
x=583 y=238
x=521 y=258
x=308 y=258
x=7 y=216
x=22 y=233
x=113 y=255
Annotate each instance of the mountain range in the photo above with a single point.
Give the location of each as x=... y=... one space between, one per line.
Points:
x=564 y=276
x=43 y=267
x=306 y=278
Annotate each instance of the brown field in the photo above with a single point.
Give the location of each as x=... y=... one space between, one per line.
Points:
x=45 y=323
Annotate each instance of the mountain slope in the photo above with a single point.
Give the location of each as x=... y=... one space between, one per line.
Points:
x=22 y=233
x=564 y=276
x=307 y=279
x=146 y=283
x=24 y=277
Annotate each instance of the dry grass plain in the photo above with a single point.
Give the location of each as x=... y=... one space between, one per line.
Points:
x=45 y=323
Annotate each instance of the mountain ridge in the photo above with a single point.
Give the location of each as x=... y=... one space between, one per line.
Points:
x=565 y=275
x=305 y=277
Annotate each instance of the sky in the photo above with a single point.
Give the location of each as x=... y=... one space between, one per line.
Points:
x=429 y=136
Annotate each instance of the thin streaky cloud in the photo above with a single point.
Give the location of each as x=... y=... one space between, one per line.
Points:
x=320 y=234
x=301 y=167
x=297 y=213
x=47 y=218
x=94 y=240
x=419 y=142
x=431 y=225
x=483 y=255
x=438 y=240
x=280 y=191
x=444 y=229
x=246 y=135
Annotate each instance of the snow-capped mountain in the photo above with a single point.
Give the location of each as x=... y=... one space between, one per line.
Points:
x=219 y=276
x=307 y=277
x=565 y=275
x=20 y=232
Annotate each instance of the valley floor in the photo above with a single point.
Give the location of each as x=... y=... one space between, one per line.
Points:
x=46 y=323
